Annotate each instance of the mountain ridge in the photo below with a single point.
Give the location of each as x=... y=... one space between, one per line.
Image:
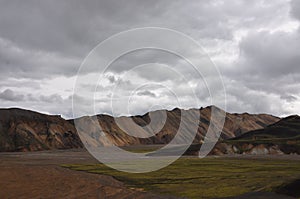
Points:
x=26 y=130
x=281 y=137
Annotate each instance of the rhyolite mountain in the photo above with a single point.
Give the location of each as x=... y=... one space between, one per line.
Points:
x=24 y=130
x=286 y=128
x=282 y=137
x=235 y=125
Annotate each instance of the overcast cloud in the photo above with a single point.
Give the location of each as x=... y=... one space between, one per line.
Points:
x=255 y=44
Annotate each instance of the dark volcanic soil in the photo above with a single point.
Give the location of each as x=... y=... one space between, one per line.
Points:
x=39 y=175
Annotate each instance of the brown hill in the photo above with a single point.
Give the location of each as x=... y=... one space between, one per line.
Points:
x=24 y=130
x=282 y=137
x=235 y=125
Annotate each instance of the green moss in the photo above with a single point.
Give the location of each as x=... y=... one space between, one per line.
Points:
x=207 y=178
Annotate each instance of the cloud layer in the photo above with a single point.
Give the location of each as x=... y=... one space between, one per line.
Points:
x=255 y=45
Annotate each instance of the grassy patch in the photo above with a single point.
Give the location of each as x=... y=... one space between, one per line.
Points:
x=142 y=148
x=207 y=178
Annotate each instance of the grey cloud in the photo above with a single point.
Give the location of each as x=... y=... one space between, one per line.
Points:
x=73 y=28
x=240 y=98
x=51 y=99
x=10 y=95
x=268 y=65
x=146 y=93
x=117 y=81
x=69 y=27
x=68 y=30
x=55 y=103
x=16 y=62
x=270 y=54
x=289 y=98
x=155 y=65
x=42 y=40
x=19 y=83
x=295 y=9
x=140 y=57
x=111 y=79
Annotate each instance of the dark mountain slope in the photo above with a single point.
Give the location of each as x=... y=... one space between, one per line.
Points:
x=24 y=130
x=286 y=128
x=278 y=138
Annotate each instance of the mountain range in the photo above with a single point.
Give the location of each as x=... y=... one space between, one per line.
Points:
x=25 y=130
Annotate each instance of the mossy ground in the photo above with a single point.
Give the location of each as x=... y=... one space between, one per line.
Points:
x=207 y=178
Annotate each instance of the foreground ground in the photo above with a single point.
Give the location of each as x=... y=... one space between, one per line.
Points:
x=53 y=174
x=39 y=175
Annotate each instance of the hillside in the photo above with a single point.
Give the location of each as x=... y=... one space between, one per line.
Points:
x=235 y=125
x=278 y=138
x=24 y=130
x=286 y=128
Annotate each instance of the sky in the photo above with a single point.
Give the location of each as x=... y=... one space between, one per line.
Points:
x=254 y=44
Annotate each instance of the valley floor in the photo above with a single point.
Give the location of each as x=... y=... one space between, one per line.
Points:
x=41 y=175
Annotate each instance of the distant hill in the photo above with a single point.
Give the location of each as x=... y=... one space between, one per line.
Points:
x=280 y=137
x=235 y=125
x=287 y=128
x=24 y=130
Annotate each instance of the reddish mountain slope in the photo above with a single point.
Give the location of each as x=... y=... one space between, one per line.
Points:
x=235 y=125
x=23 y=130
